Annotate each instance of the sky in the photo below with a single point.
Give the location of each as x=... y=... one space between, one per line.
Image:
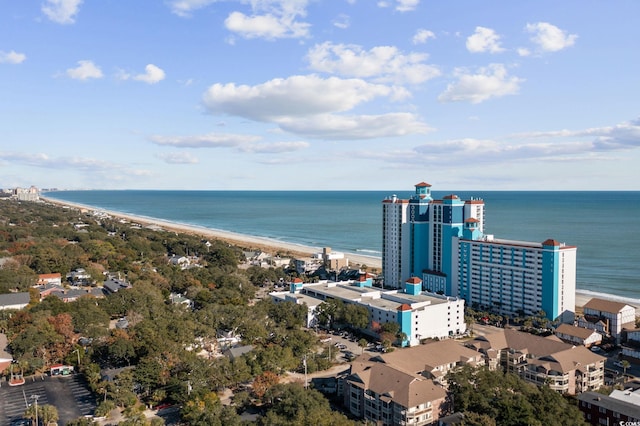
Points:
x=320 y=94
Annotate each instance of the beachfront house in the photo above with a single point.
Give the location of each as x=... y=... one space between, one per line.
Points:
x=608 y=317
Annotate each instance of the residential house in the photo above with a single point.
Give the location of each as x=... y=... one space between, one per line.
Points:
x=257 y=258
x=14 y=300
x=79 y=277
x=44 y=279
x=179 y=299
x=114 y=285
x=609 y=317
x=542 y=360
x=237 y=352
x=5 y=357
x=578 y=335
x=47 y=289
x=181 y=261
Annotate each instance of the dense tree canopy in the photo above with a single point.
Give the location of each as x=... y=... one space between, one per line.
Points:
x=160 y=340
x=508 y=400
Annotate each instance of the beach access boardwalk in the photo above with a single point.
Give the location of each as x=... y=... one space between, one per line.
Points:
x=70 y=395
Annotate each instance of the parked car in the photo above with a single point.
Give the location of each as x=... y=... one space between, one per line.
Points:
x=618 y=364
x=595 y=349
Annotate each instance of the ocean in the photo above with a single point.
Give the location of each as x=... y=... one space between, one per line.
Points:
x=602 y=224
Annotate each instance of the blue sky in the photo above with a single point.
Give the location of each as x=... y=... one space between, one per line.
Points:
x=320 y=94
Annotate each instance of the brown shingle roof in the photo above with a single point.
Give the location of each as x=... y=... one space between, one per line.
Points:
x=524 y=342
x=574 y=331
x=403 y=388
x=605 y=305
x=427 y=357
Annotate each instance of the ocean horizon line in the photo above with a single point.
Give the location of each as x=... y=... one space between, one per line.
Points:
x=403 y=190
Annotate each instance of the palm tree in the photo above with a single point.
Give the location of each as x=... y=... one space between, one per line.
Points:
x=625 y=365
x=363 y=344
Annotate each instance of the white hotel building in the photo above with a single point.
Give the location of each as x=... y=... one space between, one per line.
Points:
x=419 y=314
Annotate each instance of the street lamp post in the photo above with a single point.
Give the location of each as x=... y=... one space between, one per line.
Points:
x=304 y=361
x=35 y=397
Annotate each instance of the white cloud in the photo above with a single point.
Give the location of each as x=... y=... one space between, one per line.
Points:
x=178 y=158
x=61 y=11
x=91 y=166
x=267 y=26
x=184 y=8
x=489 y=82
x=309 y=106
x=12 y=57
x=341 y=127
x=268 y=19
x=84 y=71
x=612 y=138
x=558 y=146
x=400 y=5
x=381 y=63
x=421 y=36
x=484 y=40
x=275 y=147
x=407 y=5
x=550 y=38
x=523 y=51
x=243 y=143
x=295 y=96
x=211 y=140
x=152 y=75
x=342 y=21
x=271 y=19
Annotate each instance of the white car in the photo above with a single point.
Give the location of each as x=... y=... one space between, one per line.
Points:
x=618 y=364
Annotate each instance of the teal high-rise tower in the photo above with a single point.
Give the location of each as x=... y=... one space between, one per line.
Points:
x=443 y=243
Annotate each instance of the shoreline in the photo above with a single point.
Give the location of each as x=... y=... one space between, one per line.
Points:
x=249 y=242
x=274 y=246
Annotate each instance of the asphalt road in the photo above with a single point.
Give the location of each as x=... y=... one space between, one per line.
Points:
x=69 y=395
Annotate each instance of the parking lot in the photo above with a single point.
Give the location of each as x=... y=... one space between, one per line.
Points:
x=69 y=395
x=345 y=346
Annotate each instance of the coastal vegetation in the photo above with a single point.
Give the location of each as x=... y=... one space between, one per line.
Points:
x=496 y=398
x=167 y=353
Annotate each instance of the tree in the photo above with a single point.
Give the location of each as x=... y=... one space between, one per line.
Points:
x=45 y=414
x=625 y=364
x=264 y=382
x=508 y=399
x=293 y=405
x=206 y=410
x=363 y=343
x=357 y=316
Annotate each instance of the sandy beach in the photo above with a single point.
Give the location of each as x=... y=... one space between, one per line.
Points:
x=249 y=242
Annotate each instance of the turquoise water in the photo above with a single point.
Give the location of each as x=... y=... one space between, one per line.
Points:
x=602 y=225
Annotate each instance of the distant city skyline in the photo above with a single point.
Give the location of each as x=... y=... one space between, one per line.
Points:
x=305 y=95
